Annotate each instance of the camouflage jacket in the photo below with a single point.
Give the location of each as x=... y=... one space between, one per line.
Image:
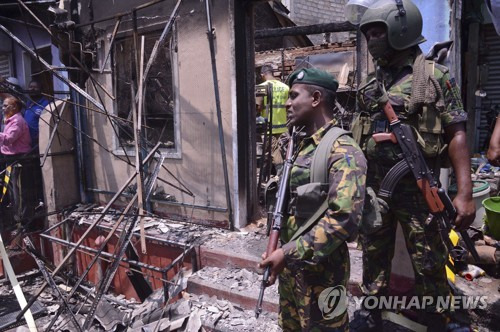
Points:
x=398 y=82
x=347 y=175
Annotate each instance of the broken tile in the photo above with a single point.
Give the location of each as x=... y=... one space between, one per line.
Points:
x=177 y=324
x=194 y=323
x=213 y=309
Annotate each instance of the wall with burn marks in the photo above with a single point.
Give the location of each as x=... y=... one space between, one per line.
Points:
x=196 y=163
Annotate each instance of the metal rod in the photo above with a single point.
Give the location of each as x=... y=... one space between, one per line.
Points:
x=210 y=34
x=162 y=38
x=108 y=18
x=305 y=30
x=110 y=272
x=52 y=135
x=138 y=150
x=198 y=207
x=55 y=73
x=113 y=36
x=91 y=109
x=153 y=178
x=58 y=42
x=34 y=156
x=41 y=265
x=56 y=225
x=102 y=246
x=39 y=2
x=96 y=256
x=149 y=237
x=85 y=234
x=11 y=20
x=185 y=190
x=188 y=192
x=104 y=253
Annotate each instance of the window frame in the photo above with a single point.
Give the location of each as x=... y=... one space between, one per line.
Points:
x=176 y=152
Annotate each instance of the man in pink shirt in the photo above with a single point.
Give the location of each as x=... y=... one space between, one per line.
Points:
x=15 y=142
x=15 y=138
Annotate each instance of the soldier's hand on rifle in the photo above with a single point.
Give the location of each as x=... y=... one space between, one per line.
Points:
x=466 y=211
x=277 y=263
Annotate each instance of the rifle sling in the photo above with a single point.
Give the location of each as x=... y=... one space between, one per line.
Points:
x=319 y=173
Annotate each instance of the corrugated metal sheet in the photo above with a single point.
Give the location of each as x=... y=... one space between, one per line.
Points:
x=489 y=55
x=5 y=65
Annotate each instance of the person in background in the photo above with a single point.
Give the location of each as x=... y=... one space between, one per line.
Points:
x=15 y=142
x=34 y=108
x=8 y=87
x=279 y=97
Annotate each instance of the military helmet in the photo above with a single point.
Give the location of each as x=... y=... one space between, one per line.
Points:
x=402 y=19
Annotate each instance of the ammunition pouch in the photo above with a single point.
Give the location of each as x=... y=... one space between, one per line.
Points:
x=270 y=191
x=361 y=126
x=374 y=207
x=430 y=132
x=308 y=199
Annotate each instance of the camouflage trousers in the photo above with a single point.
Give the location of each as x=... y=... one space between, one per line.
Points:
x=423 y=242
x=300 y=289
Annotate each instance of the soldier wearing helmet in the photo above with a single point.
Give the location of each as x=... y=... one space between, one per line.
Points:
x=426 y=98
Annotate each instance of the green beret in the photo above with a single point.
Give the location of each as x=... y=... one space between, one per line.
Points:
x=313 y=76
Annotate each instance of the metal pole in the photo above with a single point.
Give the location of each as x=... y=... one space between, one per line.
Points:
x=55 y=73
x=162 y=38
x=115 y=31
x=110 y=272
x=52 y=134
x=71 y=54
x=116 y=16
x=85 y=234
x=41 y=265
x=306 y=30
x=210 y=34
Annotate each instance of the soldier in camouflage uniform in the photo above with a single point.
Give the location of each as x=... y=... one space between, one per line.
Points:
x=319 y=258
x=437 y=116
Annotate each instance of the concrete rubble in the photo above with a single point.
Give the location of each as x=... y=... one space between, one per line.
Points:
x=221 y=295
x=170 y=230
x=236 y=279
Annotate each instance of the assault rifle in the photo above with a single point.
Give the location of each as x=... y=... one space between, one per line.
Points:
x=278 y=215
x=440 y=205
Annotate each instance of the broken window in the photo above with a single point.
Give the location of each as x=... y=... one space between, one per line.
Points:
x=159 y=112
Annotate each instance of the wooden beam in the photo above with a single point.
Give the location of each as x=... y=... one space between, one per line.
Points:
x=306 y=30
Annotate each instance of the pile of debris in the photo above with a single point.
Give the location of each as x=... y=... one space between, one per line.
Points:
x=237 y=279
x=170 y=230
x=115 y=313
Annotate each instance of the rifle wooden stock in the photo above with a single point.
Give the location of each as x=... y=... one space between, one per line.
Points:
x=389 y=113
x=431 y=196
x=385 y=137
x=272 y=244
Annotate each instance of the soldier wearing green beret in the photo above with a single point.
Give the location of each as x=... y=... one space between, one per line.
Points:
x=425 y=97
x=313 y=268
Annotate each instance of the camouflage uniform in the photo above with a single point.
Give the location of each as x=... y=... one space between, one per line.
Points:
x=319 y=258
x=427 y=251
